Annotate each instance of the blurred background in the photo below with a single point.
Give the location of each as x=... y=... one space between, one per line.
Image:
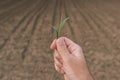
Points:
x=26 y=34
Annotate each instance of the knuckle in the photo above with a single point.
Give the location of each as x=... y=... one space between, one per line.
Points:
x=57 y=68
x=58 y=64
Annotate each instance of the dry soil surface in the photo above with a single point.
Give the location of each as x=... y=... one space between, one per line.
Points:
x=26 y=34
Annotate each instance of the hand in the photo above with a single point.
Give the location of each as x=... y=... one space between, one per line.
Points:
x=69 y=60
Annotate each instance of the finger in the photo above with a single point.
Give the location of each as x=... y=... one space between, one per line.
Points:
x=58 y=63
x=59 y=69
x=53 y=45
x=66 y=77
x=62 y=71
x=57 y=56
x=69 y=42
x=73 y=48
x=62 y=48
x=71 y=45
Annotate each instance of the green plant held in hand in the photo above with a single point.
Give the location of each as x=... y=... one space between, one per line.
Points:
x=61 y=25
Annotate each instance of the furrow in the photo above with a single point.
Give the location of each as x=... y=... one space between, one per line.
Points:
x=17 y=28
x=70 y=26
x=102 y=31
x=33 y=30
x=17 y=10
x=91 y=24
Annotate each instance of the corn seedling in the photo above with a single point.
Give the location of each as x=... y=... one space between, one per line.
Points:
x=60 y=28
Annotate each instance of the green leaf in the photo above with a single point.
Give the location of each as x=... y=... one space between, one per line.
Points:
x=59 y=29
x=56 y=31
x=62 y=23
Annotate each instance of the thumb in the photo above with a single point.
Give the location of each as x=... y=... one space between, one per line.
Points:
x=62 y=48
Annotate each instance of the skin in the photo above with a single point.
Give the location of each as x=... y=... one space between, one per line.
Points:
x=69 y=60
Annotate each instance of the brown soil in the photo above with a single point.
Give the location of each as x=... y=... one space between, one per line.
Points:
x=26 y=34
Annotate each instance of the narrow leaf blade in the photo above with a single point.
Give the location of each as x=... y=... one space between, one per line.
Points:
x=62 y=23
x=56 y=31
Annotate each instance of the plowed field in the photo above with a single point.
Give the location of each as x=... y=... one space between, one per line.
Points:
x=26 y=34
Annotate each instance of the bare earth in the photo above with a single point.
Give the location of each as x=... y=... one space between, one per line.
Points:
x=26 y=34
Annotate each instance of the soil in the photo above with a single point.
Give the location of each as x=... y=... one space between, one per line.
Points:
x=26 y=34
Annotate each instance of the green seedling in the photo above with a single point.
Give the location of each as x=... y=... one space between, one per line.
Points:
x=60 y=28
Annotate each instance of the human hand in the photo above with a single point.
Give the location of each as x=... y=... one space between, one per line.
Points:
x=69 y=60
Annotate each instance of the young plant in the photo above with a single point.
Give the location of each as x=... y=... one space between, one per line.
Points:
x=61 y=25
